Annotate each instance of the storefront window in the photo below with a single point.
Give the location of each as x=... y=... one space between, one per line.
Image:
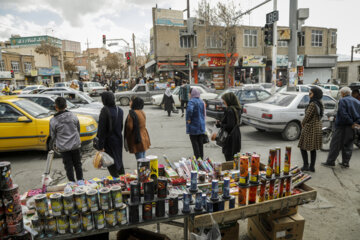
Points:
x=204 y=77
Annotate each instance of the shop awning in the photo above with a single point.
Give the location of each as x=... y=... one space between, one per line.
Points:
x=149 y=64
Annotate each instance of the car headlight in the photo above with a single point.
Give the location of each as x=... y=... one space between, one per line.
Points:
x=90 y=128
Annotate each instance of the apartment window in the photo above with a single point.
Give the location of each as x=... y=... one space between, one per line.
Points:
x=316 y=38
x=187 y=41
x=333 y=38
x=15 y=66
x=213 y=42
x=54 y=61
x=282 y=44
x=250 y=38
x=2 y=65
x=27 y=66
x=301 y=39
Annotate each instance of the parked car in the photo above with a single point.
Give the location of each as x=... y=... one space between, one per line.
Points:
x=305 y=88
x=334 y=89
x=48 y=101
x=93 y=88
x=283 y=112
x=245 y=94
x=62 y=84
x=24 y=125
x=30 y=88
x=77 y=98
x=18 y=90
x=144 y=91
x=204 y=95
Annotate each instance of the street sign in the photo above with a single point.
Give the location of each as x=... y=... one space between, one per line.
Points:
x=272 y=17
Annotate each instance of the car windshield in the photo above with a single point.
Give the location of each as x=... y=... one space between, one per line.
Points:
x=68 y=103
x=30 y=88
x=32 y=108
x=94 y=84
x=282 y=100
x=226 y=91
x=59 y=84
x=86 y=97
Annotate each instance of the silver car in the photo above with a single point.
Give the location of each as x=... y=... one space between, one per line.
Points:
x=77 y=98
x=282 y=112
x=48 y=102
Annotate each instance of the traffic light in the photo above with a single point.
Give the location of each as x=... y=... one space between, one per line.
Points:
x=187 y=59
x=268 y=33
x=128 y=60
x=104 y=39
x=12 y=74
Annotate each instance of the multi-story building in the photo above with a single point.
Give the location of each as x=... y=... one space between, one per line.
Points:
x=70 y=50
x=249 y=60
x=49 y=68
x=23 y=67
x=347 y=72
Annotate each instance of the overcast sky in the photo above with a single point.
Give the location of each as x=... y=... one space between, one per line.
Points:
x=80 y=20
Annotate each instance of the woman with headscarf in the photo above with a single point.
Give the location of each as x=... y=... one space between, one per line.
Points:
x=195 y=123
x=168 y=101
x=136 y=134
x=110 y=132
x=311 y=135
x=231 y=124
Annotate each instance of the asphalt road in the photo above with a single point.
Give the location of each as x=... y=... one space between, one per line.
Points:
x=334 y=215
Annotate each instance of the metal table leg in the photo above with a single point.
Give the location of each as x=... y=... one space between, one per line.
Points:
x=157 y=227
x=186 y=228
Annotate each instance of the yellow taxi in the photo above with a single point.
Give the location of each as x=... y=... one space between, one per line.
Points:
x=24 y=125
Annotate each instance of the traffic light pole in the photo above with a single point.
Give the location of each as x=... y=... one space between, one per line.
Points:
x=293 y=17
x=274 y=53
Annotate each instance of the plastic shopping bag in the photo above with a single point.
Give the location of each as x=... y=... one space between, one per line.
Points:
x=102 y=159
x=213 y=233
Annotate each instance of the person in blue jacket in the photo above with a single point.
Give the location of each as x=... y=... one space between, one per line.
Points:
x=195 y=123
x=347 y=117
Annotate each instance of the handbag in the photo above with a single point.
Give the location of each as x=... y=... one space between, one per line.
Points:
x=221 y=137
x=205 y=138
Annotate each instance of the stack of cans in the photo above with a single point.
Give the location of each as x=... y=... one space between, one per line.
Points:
x=11 y=219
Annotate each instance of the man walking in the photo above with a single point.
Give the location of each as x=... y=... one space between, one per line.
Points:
x=184 y=96
x=65 y=131
x=347 y=117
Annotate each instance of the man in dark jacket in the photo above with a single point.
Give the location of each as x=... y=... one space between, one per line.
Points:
x=65 y=131
x=184 y=96
x=347 y=117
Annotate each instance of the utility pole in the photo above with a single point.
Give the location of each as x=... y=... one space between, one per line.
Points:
x=293 y=20
x=136 y=70
x=274 y=53
x=188 y=8
x=88 y=55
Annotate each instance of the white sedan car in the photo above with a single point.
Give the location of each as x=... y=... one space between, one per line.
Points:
x=93 y=88
x=334 y=89
x=204 y=95
x=282 y=112
x=305 y=88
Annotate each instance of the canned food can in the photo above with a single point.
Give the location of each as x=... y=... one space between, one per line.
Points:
x=186 y=202
x=288 y=186
x=232 y=202
x=271 y=189
x=134 y=192
x=173 y=204
x=116 y=196
x=36 y=225
x=226 y=188
x=287 y=162
x=252 y=193
x=203 y=200
x=110 y=217
x=271 y=162
x=244 y=169
x=147 y=211
x=63 y=225
x=160 y=208
x=278 y=162
x=162 y=187
x=242 y=195
x=202 y=176
x=5 y=175
x=214 y=189
x=87 y=221
x=210 y=206
x=143 y=167
x=281 y=188
x=50 y=227
x=56 y=204
x=105 y=198
x=217 y=169
x=193 y=181
x=149 y=190
x=75 y=224
x=99 y=219
x=221 y=206
x=134 y=213
x=41 y=205
x=69 y=203
x=80 y=201
x=121 y=215
x=255 y=168
x=92 y=200
x=262 y=190
x=154 y=168
x=198 y=201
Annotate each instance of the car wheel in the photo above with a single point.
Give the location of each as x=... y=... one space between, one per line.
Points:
x=52 y=146
x=260 y=130
x=291 y=132
x=326 y=139
x=124 y=101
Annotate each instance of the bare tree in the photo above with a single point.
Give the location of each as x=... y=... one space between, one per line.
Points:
x=70 y=68
x=46 y=48
x=221 y=23
x=112 y=63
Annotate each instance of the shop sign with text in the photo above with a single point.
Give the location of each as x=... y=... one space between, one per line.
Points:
x=254 y=61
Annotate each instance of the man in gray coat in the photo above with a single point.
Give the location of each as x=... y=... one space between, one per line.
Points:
x=65 y=131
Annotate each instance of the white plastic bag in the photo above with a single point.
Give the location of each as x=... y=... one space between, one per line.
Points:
x=102 y=159
x=213 y=234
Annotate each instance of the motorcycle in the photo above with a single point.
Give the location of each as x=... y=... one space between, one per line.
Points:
x=327 y=133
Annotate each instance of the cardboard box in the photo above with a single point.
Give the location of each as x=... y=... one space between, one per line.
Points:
x=285 y=228
x=285 y=212
x=254 y=232
x=139 y=234
x=230 y=231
